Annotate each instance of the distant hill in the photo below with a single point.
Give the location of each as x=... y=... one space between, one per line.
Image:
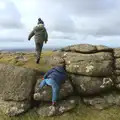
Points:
x=26 y=49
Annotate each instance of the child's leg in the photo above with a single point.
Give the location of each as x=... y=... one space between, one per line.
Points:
x=55 y=89
x=55 y=93
x=43 y=83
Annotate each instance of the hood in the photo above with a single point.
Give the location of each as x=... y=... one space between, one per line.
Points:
x=60 y=69
x=39 y=27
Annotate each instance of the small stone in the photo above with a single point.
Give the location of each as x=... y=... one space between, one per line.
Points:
x=36 y=96
x=89 y=68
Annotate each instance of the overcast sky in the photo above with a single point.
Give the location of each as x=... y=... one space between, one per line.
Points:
x=67 y=22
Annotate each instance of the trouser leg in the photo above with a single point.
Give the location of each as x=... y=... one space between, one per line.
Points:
x=55 y=89
x=38 y=50
x=55 y=93
x=42 y=84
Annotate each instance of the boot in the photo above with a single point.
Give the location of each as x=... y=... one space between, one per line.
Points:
x=38 y=60
x=54 y=103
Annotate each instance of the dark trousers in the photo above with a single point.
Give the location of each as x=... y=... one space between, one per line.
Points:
x=38 y=49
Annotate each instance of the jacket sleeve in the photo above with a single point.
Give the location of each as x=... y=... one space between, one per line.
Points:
x=31 y=35
x=42 y=84
x=46 y=36
x=49 y=72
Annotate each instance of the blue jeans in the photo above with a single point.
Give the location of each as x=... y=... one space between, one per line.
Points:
x=55 y=88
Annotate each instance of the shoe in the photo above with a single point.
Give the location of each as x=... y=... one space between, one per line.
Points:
x=53 y=103
x=37 y=61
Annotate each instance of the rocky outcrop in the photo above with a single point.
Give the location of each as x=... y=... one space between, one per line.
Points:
x=94 y=72
x=16 y=89
x=94 y=78
x=90 y=67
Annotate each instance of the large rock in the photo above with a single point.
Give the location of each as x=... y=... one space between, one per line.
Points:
x=117 y=72
x=103 y=48
x=16 y=86
x=98 y=64
x=16 y=83
x=117 y=82
x=117 y=52
x=45 y=94
x=103 y=101
x=91 y=85
x=55 y=59
x=62 y=107
x=13 y=108
x=117 y=63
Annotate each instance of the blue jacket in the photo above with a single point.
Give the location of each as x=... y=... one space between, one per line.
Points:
x=58 y=74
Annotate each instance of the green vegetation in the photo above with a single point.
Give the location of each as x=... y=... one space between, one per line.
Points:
x=26 y=60
x=82 y=112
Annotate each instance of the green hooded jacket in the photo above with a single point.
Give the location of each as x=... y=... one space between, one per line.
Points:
x=40 y=34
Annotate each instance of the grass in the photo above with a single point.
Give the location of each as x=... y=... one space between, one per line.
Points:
x=8 y=58
x=82 y=112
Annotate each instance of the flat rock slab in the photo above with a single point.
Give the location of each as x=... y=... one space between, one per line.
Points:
x=16 y=83
x=76 y=57
x=86 y=48
x=45 y=94
x=103 y=101
x=86 y=85
x=62 y=107
x=95 y=69
x=97 y=64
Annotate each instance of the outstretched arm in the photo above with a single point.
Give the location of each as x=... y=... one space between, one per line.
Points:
x=49 y=72
x=42 y=84
x=31 y=35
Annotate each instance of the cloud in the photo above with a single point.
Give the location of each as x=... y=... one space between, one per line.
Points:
x=13 y=35
x=11 y=40
x=78 y=21
x=9 y=15
x=78 y=16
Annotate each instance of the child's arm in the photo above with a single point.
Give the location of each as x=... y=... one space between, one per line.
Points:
x=46 y=74
x=42 y=84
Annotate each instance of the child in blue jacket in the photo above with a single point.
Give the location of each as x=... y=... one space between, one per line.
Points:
x=55 y=77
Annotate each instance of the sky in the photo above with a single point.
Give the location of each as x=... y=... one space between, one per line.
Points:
x=68 y=22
